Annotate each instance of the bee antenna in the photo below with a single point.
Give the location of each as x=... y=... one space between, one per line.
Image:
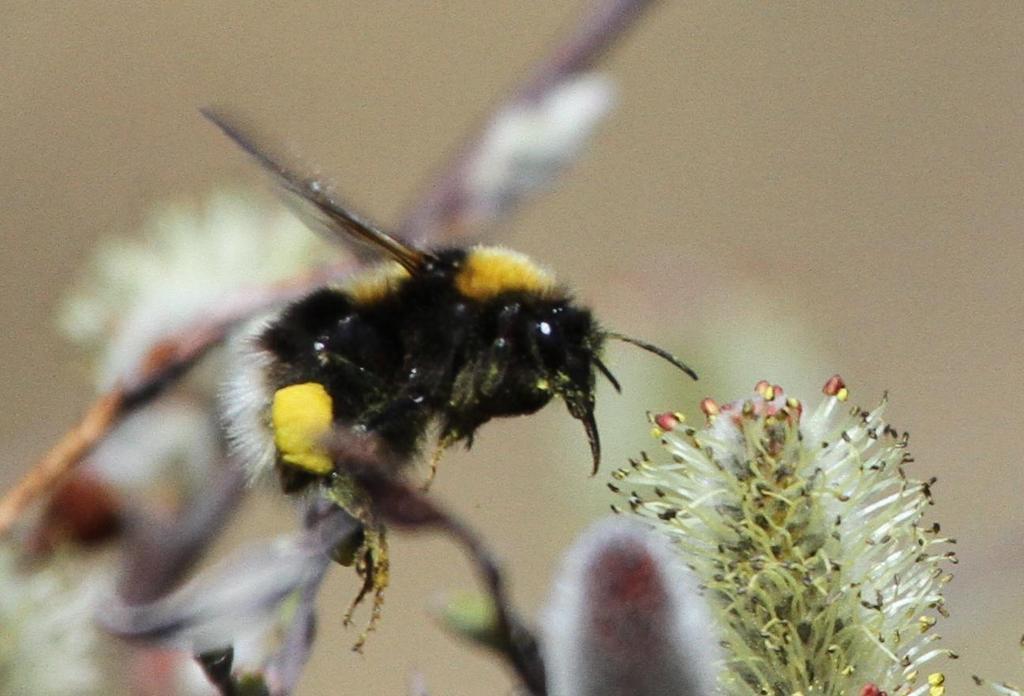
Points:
x=607 y=373
x=650 y=348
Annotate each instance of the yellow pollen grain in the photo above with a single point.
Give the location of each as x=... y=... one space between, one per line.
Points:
x=376 y=283
x=488 y=272
x=302 y=415
x=936 y=684
x=843 y=394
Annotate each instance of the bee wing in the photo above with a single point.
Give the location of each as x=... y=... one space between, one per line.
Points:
x=314 y=203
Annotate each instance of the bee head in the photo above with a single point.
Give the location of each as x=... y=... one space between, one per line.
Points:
x=567 y=344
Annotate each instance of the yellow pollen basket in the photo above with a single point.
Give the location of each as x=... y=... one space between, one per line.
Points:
x=302 y=415
x=490 y=271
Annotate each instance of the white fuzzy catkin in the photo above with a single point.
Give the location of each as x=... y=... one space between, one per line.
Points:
x=807 y=532
x=48 y=643
x=183 y=264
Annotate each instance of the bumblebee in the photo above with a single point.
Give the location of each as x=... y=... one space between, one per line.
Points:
x=426 y=341
x=449 y=337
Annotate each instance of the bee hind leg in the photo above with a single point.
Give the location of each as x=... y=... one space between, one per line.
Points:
x=368 y=553
x=373 y=566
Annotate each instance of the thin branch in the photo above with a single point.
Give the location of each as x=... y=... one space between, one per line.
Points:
x=445 y=200
x=71 y=448
x=400 y=506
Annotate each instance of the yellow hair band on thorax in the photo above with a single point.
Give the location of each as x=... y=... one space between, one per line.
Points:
x=377 y=283
x=490 y=271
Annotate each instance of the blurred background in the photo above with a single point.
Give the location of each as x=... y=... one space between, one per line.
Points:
x=784 y=192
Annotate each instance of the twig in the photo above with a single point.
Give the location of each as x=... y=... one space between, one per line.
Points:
x=62 y=457
x=403 y=506
x=444 y=201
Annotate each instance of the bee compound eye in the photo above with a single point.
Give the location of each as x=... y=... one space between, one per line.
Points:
x=549 y=342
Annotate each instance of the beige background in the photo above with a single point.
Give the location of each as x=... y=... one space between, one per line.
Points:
x=786 y=191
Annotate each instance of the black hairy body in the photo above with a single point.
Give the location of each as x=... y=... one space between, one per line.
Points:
x=451 y=337
x=424 y=352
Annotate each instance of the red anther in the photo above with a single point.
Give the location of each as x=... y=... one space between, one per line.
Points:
x=666 y=421
x=872 y=690
x=834 y=384
x=761 y=387
x=709 y=407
